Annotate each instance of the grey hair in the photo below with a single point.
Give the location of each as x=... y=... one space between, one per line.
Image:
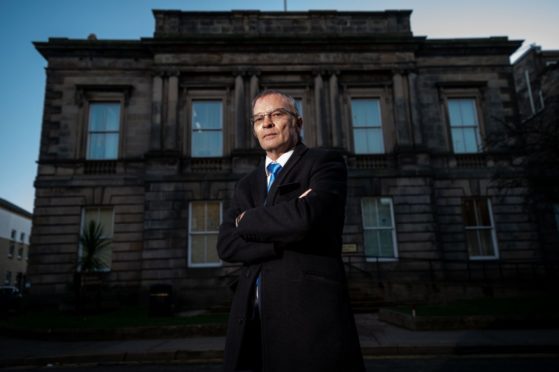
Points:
x=270 y=92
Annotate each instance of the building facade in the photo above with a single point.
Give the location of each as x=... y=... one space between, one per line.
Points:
x=15 y=228
x=148 y=137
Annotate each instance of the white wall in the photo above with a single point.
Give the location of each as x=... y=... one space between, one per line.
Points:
x=10 y=221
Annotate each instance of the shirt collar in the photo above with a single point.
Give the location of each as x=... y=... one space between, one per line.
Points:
x=282 y=160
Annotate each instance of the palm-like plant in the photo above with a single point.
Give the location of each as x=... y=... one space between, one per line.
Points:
x=94 y=247
x=93 y=259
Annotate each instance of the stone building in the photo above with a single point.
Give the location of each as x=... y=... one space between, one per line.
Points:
x=15 y=227
x=149 y=137
x=536 y=74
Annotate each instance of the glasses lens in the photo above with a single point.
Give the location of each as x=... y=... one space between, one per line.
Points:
x=257 y=119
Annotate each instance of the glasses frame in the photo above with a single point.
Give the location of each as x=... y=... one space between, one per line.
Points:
x=269 y=115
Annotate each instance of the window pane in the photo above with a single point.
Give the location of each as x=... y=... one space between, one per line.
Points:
x=369 y=208
x=368 y=141
x=106 y=220
x=469 y=212
x=385 y=213
x=486 y=243
x=102 y=146
x=472 y=242
x=458 y=140
x=198 y=249
x=207 y=143
x=213 y=217
x=206 y=115
x=198 y=217
x=470 y=140
x=211 y=250
x=205 y=217
x=386 y=243
x=454 y=112
x=468 y=111
x=371 y=243
x=482 y=213
x=464 y=125
x=104 y=117
x=365 y=112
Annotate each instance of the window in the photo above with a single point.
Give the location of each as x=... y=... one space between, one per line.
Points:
x=94 y=258
x=481 y=239
x=12 y=246
x=299 y=107
x=379 y=234
x=464 y=125
x=20 y=249
x=207 y=128
x=367 y=126
x=205 y=218
x=103 y=131
x=8 y=279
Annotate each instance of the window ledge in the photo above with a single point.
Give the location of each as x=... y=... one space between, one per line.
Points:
x=100 y=167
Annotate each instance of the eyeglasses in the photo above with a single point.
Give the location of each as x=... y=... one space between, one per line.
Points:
x=275 y=116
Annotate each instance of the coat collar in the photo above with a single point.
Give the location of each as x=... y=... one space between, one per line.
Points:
x=298 y=152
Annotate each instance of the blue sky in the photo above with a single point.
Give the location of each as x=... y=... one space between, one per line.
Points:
x=22 y=73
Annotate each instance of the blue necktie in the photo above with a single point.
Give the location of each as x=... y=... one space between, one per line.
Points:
x=273 y=170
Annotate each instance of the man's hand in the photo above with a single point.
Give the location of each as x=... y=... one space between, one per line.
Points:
x=305 y=193
x=238 y=219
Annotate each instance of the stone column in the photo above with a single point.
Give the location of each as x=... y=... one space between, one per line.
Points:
x=254 y=88
x=170 y=130
x=415 y=122
x=335 y=117
x=157 y=96
x=400 y=110
x=240 y=116
x=319 y=110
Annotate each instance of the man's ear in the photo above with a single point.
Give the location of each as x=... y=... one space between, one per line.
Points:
x=299 y=122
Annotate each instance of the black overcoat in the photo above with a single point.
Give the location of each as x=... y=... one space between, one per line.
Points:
x=307 y=322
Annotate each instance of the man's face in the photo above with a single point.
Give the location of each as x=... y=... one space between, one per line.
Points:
x=278 y=134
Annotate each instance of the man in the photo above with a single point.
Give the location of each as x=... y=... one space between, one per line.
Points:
x=291 y=309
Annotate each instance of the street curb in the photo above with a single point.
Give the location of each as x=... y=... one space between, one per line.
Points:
x=124 y=333
x=216 y=356
x=183 y=356
x=436 y=323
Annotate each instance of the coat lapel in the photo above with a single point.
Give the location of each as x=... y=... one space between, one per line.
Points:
x=259 y=189
x=298 y=152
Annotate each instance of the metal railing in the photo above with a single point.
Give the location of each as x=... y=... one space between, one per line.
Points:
x=437 y=269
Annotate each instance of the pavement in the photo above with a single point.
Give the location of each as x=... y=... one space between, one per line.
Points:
x=377 y=338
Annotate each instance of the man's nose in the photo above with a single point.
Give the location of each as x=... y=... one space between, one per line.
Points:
x=267 y=121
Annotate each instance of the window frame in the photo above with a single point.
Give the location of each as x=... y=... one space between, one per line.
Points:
x=491 y=227
x=91 y=103
x=111 y=238
x=226 y=120
x=476 y=128
x=392 y=228
x=205 y=232
x=388 y=129
x=463 y=90
x=379 y=128
x=85 y=95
